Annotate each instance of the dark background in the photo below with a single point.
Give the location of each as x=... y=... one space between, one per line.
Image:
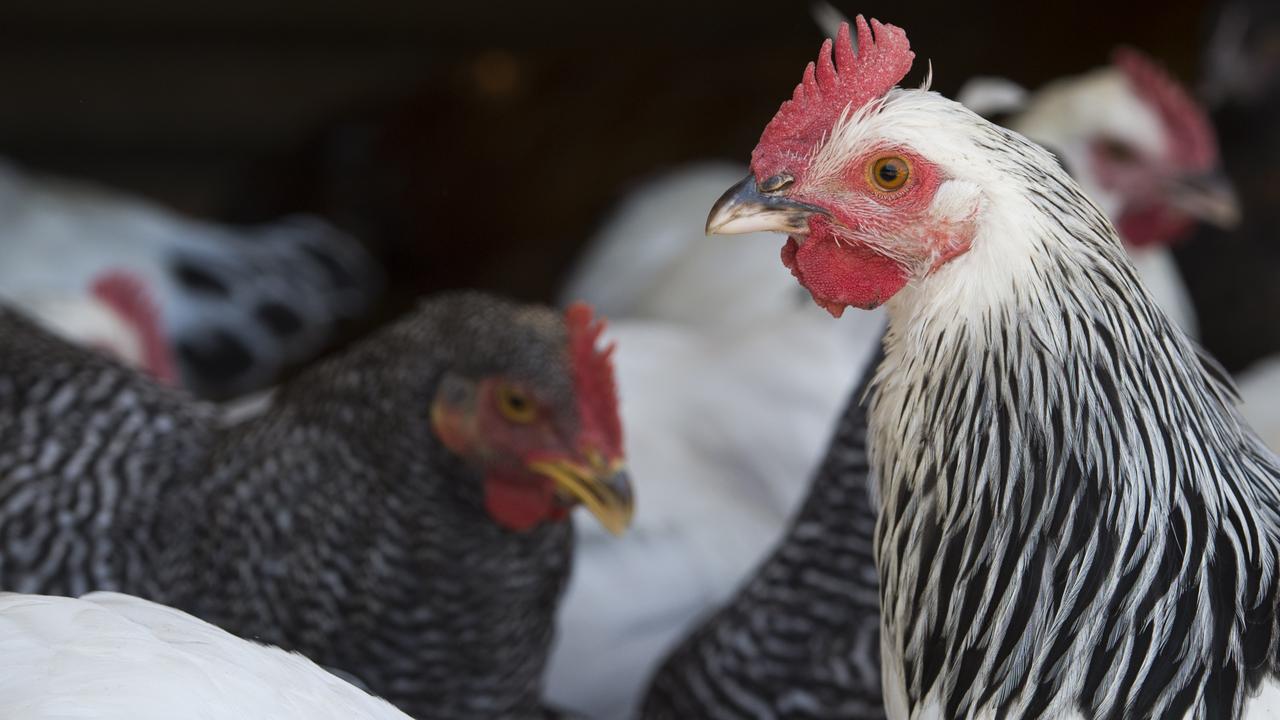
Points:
x=477 y=143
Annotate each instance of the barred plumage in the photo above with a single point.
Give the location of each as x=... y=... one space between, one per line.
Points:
x=88 y=449
x=801 y=639
x=334 y=524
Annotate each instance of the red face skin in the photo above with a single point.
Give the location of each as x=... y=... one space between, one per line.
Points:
x=872 y=241
x=1147 y=219
x=128 y=295
x=516 y=497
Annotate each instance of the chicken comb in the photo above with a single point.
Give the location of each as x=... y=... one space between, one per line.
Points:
x=859 y=74
x=1191 y=137
x=593 y=379
x=127 y=294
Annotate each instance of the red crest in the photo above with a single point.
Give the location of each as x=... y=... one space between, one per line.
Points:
x=1191 y=138
x=828 y=89
x=127 y=294
x=593 y=380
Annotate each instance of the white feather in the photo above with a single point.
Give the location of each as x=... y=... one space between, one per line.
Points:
x=1068 y=115
x=108 y=656
x=992 y=96
x=1265 y=705
x=82 y=318
x=58 y=236
x=1259 y=387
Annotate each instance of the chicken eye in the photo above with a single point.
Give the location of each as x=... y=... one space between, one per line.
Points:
x=1117 y=151
x=890 y=173
x=516 y=405
x=776 y=182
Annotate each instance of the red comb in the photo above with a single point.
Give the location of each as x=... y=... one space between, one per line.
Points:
x=856 y=77
x=127 y=294
x=593 y=379
x=1190 y=133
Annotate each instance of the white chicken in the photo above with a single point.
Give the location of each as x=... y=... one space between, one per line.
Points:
x=219 y=310
x=1139 y=146
x=107 y=656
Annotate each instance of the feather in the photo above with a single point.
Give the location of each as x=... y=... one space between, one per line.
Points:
x=236 y=305
x=108 y=656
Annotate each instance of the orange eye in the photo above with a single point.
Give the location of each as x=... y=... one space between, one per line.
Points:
x=889 y=173
x=516 y=405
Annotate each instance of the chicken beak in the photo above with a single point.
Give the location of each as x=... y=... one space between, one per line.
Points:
x=1209 y=198
x=743 y=208
x=604 y=488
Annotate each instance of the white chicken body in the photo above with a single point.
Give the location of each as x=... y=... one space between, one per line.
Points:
x=1260 y=390
x=275 y=290
x=88 y=321
x=107 y=656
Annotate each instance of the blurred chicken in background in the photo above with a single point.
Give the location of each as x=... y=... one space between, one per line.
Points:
x=1234 y=276
x=216 y=309
x=1139 y=146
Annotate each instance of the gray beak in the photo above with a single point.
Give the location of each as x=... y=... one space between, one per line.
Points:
x=1209 y=198
x=744 y=209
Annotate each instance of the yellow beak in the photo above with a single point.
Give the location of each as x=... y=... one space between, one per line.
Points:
x=603 y=488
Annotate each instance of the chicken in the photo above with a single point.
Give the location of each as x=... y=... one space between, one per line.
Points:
x=722 y=439
x=397 y=512
x=650 y=262
x=115 y=316
x=710 y=673
x=1075 y=521
x=218 y=310
x=107 y=656
x=1140 y=147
